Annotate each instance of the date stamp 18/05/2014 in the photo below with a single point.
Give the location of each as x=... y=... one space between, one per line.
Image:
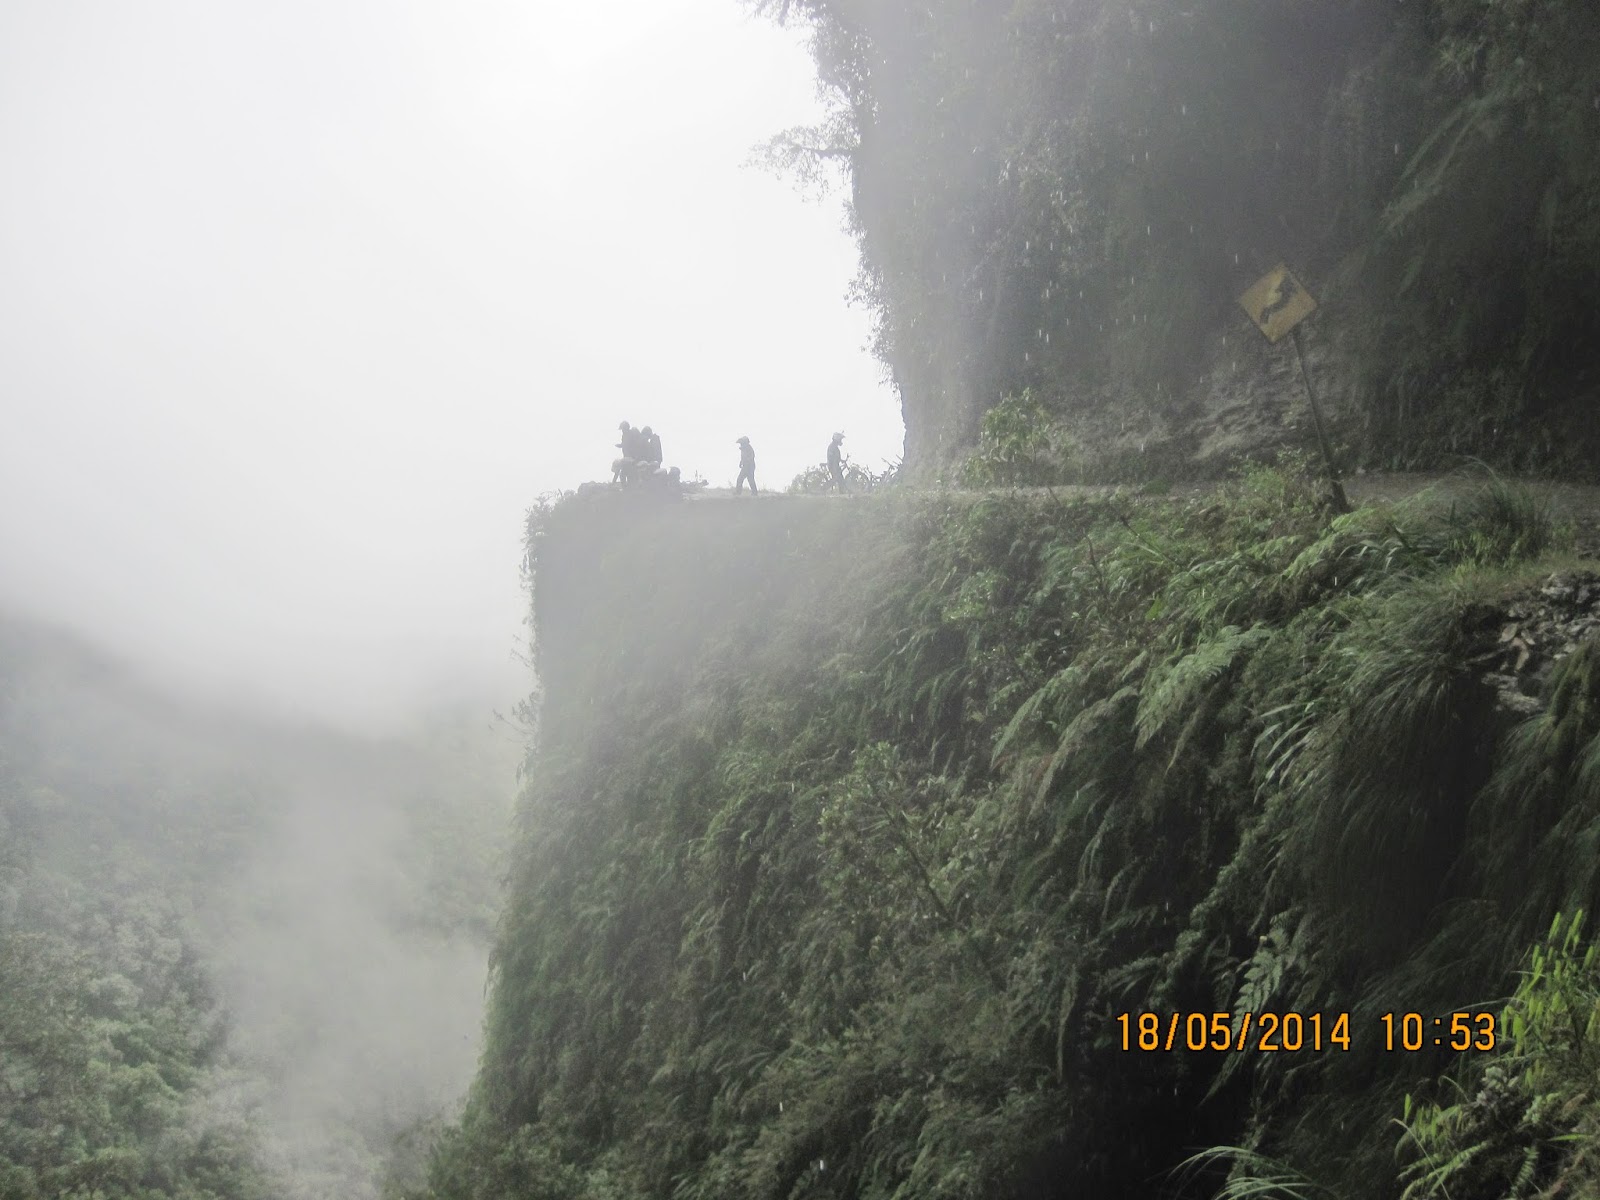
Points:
x=1279 y=1032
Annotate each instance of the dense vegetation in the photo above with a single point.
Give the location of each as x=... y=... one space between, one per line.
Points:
x=114 y=1078
x=1067 y=196
x=855 y=828
x=850 y=839
x=174 y=1021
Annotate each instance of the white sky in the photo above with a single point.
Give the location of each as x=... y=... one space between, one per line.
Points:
x=302 y=303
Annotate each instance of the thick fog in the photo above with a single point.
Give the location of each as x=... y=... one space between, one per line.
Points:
x=302 y=304
x=337 y=891
x=354 y=1010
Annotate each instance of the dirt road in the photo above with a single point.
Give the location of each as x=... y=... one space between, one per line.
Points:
x=1575 y=502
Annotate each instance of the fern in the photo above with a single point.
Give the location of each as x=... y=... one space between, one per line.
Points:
x=1180 y=686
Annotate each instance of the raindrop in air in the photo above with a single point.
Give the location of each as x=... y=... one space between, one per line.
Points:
x=1236 y=260
x=1397 y=149
x=1047 y=339
x=1186 y=110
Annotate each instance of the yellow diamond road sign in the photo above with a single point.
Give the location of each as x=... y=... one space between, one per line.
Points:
x=1277 y=302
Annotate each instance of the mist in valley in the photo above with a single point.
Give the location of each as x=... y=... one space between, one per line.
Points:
x=300 y=309
x=353 y=958
x=336 y=894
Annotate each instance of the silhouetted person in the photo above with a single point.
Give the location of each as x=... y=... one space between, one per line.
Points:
x=747 y=466
x=652 y=446
x=620 y=468
x=632 y=443
x=631 y=466
x=836 y=462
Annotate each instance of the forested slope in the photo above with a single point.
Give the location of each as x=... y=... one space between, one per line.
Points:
x=857 y=823
x=1064 y=198
x=115 y=1078
x=238 y=956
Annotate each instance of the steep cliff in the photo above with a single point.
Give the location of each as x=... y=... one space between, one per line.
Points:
x=857 y=824
x=1066 y=197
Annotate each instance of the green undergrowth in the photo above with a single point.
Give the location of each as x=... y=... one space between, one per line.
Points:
x=116 y=1081
x=855 y=826
x=1522 y=1122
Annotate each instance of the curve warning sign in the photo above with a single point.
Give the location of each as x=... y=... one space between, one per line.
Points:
x=1277 y=302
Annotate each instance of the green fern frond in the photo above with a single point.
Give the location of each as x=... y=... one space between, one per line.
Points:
x=1182 y=682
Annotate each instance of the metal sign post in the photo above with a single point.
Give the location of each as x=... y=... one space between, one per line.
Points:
x=1277 y=303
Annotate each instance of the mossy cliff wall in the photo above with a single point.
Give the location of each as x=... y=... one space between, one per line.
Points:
x=1065 y=198
x=856 y=822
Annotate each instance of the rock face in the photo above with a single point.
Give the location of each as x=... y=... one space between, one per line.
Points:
x=1068 y=199
x=1247 y=401
x=1538 y=630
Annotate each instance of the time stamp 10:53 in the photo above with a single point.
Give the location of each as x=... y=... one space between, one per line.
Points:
x=1276 y=1032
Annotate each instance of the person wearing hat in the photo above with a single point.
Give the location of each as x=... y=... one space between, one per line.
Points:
x=635 y=453
x=632 y=443
x=747 y=466
x=836 y=462
x=620 y=468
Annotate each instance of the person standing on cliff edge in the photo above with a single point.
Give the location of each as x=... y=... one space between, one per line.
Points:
x=836 y=462
x=747 y=466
